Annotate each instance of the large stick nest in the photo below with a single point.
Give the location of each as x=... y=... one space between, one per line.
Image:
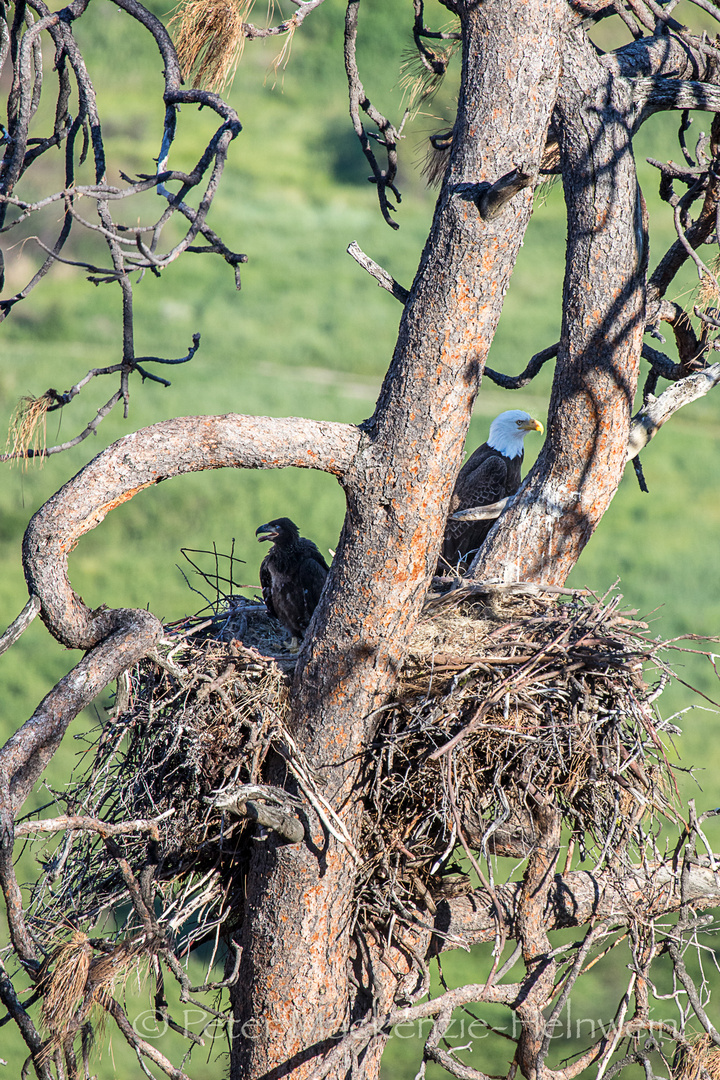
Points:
x=498 y=699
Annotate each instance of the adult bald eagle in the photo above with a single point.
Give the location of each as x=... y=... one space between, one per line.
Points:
x=292 y=576
x=491 y=473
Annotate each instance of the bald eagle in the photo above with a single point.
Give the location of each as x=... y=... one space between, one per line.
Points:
x=491 y=473
x=292 y=576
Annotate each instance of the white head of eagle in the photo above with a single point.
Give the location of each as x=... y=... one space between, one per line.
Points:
x=508 y=431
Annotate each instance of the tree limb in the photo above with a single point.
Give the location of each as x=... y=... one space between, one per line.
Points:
x=656 y=411
x=19 y=626
x=147 y=457
x=579 y=896
x=383 y=278
x=657 y=94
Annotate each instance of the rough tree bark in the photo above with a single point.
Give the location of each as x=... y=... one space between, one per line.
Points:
x=526 y=69
x=296 y=930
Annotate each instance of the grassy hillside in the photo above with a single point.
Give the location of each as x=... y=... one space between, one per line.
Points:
x=309 y=334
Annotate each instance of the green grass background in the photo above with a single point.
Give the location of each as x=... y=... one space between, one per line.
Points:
x=310 y=334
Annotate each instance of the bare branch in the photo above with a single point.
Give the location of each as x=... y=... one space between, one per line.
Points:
x=130 y=634
x=19 y=626
x=82 y=823
x=286 y=27
x=123 y=258
x=141 y=1047
x=383 y=278
x=361 y=1035
x=578 y=897
x=517 y=382
x=656 y=411
x=384 y=179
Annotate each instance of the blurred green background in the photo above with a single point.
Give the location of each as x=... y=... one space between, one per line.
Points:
x=311 y=334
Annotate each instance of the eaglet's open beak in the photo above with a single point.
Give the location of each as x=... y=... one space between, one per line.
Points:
x=269 y=531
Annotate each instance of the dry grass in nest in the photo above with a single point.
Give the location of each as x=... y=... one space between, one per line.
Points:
x=498 y=698
x=202 y=718
x=701 y=1061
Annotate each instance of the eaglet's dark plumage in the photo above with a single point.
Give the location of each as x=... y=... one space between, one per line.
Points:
x=292 y=575
x=490 y=474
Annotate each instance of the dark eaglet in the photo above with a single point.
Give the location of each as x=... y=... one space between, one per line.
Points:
x=292 y=576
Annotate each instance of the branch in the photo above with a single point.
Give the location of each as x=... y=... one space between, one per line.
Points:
x=361 y=1035
x=516 y=382
x=491 y=198
x=697 y=234
x=289 y=26
x=140 y=1046
x=83 y=823
x=654 y=413
x=665 y=54
x=384 y=179
x=19 y=625
x=383 y=278
x=147 y=457
x=657 y=94
x=577 y=897
x=26 y=753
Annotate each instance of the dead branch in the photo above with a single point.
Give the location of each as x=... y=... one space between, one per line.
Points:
x=517 y=382
x=384 y=179
x=128 y=249
x=361 y=1035
x=142 y=1047
x=304 y=7
x=19 y=626
x=578 y=896
x=383 y=278
x=82 y=823
x=26 y=753
x=656 y=411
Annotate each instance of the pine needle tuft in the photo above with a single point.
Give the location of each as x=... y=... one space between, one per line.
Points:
x=28 y=427
x=209 y=39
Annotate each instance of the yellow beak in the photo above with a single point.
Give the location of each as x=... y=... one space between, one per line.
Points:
x=533 y=425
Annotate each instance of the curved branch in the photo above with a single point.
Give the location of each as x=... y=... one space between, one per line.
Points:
x=27 y=752
x=648 y=421
x=171 y=448
x=535 y=363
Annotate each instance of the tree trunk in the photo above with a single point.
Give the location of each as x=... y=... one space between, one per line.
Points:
x=298 y=918
x=581 y=464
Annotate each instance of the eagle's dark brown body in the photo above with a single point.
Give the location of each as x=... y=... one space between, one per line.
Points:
x=292 y=575
x=491 y=473
x=486 y=477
